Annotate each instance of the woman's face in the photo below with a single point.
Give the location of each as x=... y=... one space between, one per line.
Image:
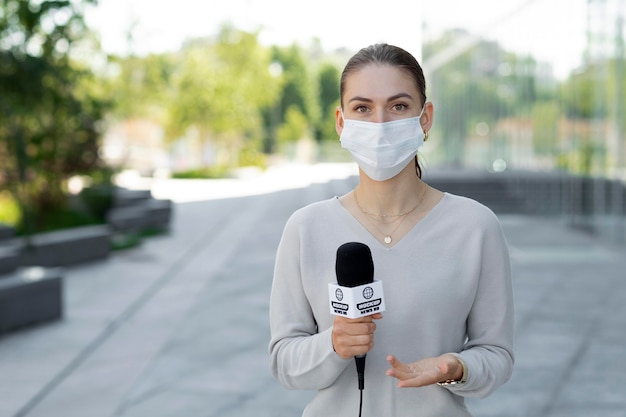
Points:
x=381 y=93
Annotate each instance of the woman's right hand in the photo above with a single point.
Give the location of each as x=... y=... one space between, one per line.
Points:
x=352 y=337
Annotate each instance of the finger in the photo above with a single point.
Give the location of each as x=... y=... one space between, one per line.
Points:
x=357 y=329
x=359 y=349
x=393 y=361
x=356 y=339
x=397 y=364
x=410 y=378
x=412 y=382
x=349 y=347
x=400 y=374
x=362 y=340
x=398 y=369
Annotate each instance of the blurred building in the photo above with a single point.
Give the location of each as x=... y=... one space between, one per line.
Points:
x=136 y=144
x=606 y=53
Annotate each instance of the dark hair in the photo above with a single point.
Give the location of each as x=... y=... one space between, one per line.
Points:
x=385 y=54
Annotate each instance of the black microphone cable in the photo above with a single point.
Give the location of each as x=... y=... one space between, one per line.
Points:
x=360 y=401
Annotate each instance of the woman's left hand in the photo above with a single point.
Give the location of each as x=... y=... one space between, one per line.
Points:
x=426 y=371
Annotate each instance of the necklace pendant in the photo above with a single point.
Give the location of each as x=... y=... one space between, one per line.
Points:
x=387 y=239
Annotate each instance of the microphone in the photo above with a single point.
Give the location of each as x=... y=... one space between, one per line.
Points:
x=354 y=267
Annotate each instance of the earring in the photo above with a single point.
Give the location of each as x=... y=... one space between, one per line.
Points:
x=425 y=135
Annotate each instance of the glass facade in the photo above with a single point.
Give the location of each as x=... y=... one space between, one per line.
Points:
x=538 y=88
x=509 y=100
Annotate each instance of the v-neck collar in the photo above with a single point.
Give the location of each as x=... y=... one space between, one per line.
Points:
x=421 y=223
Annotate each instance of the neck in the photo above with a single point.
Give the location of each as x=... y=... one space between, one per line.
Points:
x=390 y=197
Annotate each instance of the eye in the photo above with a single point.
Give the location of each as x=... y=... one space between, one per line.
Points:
x=399 y=107
x=361 y=109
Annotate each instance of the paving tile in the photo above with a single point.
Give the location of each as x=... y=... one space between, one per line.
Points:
x=179 y=326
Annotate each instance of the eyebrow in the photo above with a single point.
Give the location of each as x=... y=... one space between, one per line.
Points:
x=392 y=98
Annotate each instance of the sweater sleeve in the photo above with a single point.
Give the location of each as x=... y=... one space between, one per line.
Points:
x=301 y=356
x=488 y=352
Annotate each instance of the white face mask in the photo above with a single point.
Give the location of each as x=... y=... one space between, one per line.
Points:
x=382 y=150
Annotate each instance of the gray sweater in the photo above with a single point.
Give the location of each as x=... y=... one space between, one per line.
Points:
x=447 y=288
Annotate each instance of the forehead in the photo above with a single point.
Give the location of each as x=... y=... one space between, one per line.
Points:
x=375 y=81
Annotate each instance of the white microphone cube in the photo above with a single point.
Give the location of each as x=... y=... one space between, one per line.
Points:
x=355 y=302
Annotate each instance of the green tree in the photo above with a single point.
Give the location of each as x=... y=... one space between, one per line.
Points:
x=219 y=90
x=298 y=86
x=545 y=116
x=329 y=101
x=50 y=107
x=142 y=87
x=578 y=95
x=295 y=127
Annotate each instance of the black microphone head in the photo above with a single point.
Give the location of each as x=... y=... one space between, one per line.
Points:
x=354 y=265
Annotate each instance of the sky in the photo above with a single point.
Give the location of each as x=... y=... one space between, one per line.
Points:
x=550 y=30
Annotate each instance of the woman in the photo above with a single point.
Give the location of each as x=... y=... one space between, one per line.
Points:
x=447 y=332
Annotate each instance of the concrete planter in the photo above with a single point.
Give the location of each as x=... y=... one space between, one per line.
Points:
x=30 y=296
x=135 y=211
x=67 y=246
x=10 y=258
x=6 y=232
x=123 y=197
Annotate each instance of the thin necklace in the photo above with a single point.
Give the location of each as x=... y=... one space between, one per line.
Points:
x=383 y=215
x=388 y=237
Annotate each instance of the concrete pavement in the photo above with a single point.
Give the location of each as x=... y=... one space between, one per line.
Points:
x=178 y=326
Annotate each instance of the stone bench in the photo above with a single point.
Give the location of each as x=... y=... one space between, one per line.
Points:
x=127 y=219
x=68 y=246
x=146 y=215
x=30 y=296
x=159 y=213
x=6 y=232
x=10 y=258
x=123 y=197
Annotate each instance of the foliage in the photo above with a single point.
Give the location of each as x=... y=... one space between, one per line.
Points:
x=251 y=156
x=298 y=91
x=50 y=107
x=545 y=127
x=202 y=173
x=219 y=89
x=96 y=200
x=9 y=209
x=578 y=95
x=596 y=94
x=142 y=86
x=296 y=126
x=231 y=92
x=329 y=100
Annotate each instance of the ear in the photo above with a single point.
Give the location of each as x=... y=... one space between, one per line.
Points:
x=338 y=121
x=427 y=118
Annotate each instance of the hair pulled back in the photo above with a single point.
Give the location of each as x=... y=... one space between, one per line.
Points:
x=385 y=54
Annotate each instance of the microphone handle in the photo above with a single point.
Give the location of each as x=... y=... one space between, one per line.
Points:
x=360 y=370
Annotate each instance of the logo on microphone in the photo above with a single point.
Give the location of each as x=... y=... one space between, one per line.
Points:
x=355 y=302
x=339 y=308
x=368 y=293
